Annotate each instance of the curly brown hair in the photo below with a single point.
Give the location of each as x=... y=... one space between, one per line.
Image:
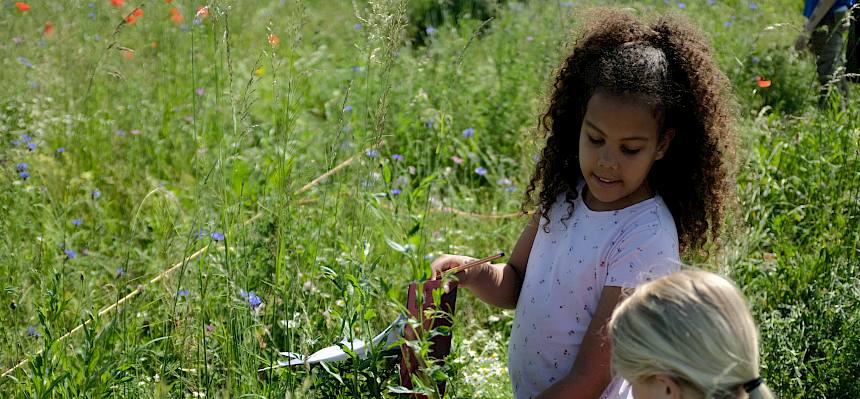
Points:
x=667 y=64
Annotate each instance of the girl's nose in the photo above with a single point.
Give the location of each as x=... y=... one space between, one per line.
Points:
x=605 y=159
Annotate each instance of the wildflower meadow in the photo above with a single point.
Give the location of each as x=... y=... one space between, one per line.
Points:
x=190 y=188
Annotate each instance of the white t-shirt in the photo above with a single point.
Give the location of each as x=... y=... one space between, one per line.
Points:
x=567 y=270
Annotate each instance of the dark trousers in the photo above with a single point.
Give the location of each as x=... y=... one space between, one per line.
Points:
x=853 y=65
x=827 y=42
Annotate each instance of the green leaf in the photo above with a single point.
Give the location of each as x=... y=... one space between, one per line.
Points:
x=386 y=174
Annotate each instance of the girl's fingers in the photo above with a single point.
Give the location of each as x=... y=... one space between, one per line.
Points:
x=443 y=263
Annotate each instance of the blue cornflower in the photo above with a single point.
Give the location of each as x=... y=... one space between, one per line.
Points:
x=21 y=167
x=91 y=5
x=77 y=222
x=682 y=6
x=372 y=153
x=32 y=332
x=217 y=236
x=15 y=142
x=253 y=299
x=356 y=68
x=358 y=26
x=96 y=194
x=92 y=15
x=727 y=24
x=26 y=138
x=429 y=123
x=25 y=62
x=70 y=253
x=481 y=170
x=120 y=271
x=504 y=182
x=712 y=2
x=430 y=30
x=347 y=108
x=25 y=175
x=395 y=192
x=196 y=21
x=469 y=132
x=120 y=132
x=182 y=292
x=32 y=146
x=510 y=189
x=755 y=59
x=753 y=6
x=61 y=150
x=566 y=4
x=397 y=157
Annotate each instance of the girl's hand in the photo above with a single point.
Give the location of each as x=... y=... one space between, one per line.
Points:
x=447 y=261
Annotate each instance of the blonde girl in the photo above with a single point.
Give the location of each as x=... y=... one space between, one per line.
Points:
x=687 y=335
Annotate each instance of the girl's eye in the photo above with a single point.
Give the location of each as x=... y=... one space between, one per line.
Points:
x=594 y=140
x=629 y=151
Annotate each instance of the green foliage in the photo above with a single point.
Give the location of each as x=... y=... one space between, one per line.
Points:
x=789 y=79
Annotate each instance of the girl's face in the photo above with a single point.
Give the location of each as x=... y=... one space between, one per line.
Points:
x=618 y=143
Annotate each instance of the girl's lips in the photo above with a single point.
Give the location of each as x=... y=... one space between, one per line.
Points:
x=606 y=182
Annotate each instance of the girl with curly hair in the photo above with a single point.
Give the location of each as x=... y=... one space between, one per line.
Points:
x=687 y=335
x=634 y=172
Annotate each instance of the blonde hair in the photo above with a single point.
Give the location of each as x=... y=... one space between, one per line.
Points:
x=692 y=326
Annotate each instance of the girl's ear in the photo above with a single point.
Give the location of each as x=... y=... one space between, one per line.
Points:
x=663 y=145
x=668 y=388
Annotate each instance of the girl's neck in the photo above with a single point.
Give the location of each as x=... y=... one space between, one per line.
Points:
x=643 y=193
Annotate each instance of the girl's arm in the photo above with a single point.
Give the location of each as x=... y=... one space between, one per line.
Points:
x=590 y=373
x=496 y=284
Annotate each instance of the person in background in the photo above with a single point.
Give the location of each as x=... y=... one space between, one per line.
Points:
x=852 y=67
x=824 y=32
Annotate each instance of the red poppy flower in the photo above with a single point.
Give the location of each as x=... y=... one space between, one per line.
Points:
x=274 y=39
x=22 y=6
x=128 y=54
x=763 y=83
x=49 y=29
x=117 y=3
x=137 y=12
x=175 y=16
x=203 y=11
x=131 y=19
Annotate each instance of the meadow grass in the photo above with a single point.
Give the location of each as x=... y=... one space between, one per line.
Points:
x=189 y=137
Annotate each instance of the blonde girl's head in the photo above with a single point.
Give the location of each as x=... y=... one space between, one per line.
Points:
x=687 y=335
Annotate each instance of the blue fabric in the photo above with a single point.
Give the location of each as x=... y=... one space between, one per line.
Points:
x=809 y=6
